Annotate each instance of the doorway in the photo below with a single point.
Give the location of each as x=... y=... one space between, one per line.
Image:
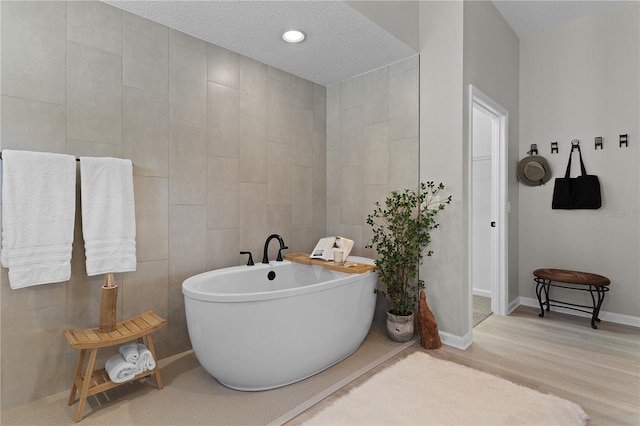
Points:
x=488 y=241
x=481 y=162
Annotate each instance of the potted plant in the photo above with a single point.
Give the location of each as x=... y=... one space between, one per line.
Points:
x=401 y=232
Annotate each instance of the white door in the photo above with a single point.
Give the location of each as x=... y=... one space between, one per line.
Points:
x=495 y=229
x=481 y=203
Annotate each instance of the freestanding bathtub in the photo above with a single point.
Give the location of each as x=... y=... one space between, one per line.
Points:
x=269 y=325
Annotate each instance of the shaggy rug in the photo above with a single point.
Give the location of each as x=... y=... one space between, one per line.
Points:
x=422 y=390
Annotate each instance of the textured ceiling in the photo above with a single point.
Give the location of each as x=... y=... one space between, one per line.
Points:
x=340 y=42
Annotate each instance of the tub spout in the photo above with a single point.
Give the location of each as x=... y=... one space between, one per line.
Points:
x=265 y=257
x=279 y=258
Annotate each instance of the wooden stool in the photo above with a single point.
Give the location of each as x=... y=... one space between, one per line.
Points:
x=91 y=382
x=597 y=286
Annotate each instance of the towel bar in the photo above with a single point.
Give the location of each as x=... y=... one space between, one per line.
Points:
x=77 y=159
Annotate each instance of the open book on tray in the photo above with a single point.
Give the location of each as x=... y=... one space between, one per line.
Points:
x=326 y=246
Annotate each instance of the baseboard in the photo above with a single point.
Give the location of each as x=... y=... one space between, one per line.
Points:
x=480 y=292
x=513 y=305
x=604 y=316
x=458 y=342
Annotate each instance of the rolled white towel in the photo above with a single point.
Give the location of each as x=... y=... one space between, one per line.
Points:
x=145 y=361
x=119 y=370
x=129 y=352
x=139 y=367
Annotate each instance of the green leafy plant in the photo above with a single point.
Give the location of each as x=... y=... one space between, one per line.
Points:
x=401 y=232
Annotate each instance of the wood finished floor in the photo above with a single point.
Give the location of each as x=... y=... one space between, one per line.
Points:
x=558 y=354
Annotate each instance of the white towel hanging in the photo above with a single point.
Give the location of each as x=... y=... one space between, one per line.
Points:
x=108 y=214
x=38 y=216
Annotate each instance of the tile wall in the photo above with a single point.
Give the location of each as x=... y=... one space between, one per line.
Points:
x=226 y=150
x=372 y=145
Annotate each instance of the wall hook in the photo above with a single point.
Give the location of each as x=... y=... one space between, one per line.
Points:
x=554 y=147
x=534 y=149
x=575 y=144
x=598 y=142
x=623 y=140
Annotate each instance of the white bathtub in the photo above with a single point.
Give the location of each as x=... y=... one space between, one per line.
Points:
x=252 y=333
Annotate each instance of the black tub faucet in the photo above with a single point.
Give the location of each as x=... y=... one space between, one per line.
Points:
x=265 y=257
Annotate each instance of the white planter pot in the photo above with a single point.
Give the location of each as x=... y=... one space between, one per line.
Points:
x=400 y=327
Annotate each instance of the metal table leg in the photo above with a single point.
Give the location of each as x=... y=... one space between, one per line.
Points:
x=542 y=285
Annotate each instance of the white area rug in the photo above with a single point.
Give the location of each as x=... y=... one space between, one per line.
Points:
x=422 y=390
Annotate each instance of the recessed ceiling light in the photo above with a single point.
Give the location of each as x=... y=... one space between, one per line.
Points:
x=293 y=36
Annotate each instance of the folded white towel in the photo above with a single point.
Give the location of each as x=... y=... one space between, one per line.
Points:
x=129 y=352
x=145 y=361
x=38 y=215
x=119 y=370
x=108 y=215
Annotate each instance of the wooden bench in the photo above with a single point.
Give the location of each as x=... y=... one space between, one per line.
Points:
x=596 y=285
x=91 y=382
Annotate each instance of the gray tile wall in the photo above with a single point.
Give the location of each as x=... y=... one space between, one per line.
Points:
x=372 y=145
x=226 y=150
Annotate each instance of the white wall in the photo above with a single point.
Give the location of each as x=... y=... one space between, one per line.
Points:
x=582 y=81
x=491 y=63
x=446 y=273
x=461 y=44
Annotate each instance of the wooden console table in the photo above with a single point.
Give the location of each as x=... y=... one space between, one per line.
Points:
x=596 y=285
x=91 y=382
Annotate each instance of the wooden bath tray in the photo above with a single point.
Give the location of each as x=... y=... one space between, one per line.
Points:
x=301 y=257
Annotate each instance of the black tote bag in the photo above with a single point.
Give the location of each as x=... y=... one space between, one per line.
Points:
x=582 y=192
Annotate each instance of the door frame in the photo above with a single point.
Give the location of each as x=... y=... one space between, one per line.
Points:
x=499 y=204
